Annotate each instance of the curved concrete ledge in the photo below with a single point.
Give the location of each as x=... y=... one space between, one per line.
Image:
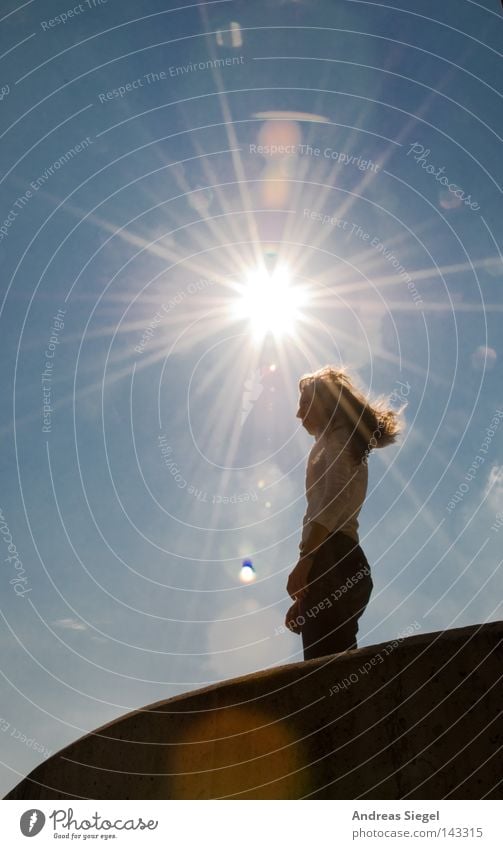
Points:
x=417 y=718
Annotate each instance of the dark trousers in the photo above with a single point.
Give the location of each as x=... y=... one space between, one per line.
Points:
x=340 y=586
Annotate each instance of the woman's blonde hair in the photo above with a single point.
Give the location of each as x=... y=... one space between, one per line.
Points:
x=372 y=424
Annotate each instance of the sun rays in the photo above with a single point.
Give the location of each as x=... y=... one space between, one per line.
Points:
x=282 y=283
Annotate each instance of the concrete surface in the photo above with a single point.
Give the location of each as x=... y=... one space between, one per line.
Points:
x=418 y=718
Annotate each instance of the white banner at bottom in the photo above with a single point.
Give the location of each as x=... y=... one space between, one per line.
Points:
x=252 y=824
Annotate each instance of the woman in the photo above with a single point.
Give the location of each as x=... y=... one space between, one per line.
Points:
x=331 y=583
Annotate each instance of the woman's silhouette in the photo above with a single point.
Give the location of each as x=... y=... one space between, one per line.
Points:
x=331 y=583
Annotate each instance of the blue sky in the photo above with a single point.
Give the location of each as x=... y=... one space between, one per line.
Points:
x=171 y=449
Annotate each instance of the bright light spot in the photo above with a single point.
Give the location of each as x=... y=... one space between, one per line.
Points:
x=231 y=37
x=484 y=357
x=261 y=484
x=269 y=302
x=272 y=367
x=247 y=573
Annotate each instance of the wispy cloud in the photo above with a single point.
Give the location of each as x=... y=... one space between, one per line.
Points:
x=70 y=624
x=494 y=487
x=252 y=391
x=483 y=357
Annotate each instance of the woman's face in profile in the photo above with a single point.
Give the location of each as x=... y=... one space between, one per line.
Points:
x=308 y=411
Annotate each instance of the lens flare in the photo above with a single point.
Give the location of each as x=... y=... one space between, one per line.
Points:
x=247 y=573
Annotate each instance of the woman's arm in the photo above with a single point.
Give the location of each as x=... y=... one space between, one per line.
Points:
x=299 y=578
x=316 y=535
x=293 y=618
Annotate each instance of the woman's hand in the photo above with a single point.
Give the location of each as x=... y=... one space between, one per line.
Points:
x=298 y=579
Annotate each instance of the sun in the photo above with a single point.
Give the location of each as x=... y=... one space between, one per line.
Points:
x=270 y=302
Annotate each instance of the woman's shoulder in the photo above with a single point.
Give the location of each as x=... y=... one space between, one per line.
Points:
x=340 y=441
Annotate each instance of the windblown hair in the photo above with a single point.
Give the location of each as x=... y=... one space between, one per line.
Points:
x=371 y=424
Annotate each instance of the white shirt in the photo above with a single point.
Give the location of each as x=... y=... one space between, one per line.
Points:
x=336 y=484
